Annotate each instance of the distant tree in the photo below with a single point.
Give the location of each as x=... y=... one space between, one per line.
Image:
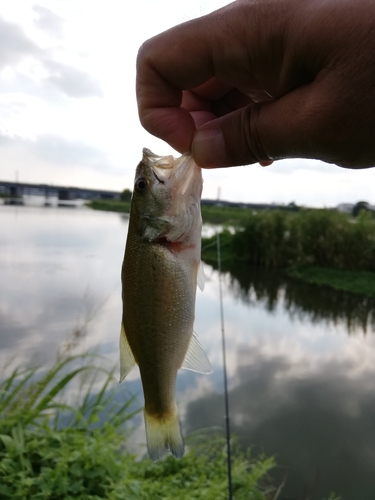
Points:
x=126 y=195
x=293 y=206
x=359 y=207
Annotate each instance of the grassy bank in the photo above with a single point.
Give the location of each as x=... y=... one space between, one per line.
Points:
x=110 y=205
x=229 y=216
x=319 y=246
x=358 y=282
x=52 y=450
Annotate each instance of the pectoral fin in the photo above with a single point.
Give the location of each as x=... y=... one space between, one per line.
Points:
x=196 y=359
x=127 y=360
x=155 y=228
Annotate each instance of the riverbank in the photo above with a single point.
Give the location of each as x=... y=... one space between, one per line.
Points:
x=359 y=282
x=211 y=214
x=110 y=205
x=322 y=247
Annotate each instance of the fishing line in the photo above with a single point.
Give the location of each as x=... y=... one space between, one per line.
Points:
x=226 y=398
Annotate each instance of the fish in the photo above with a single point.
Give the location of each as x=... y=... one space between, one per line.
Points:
x=160 y=273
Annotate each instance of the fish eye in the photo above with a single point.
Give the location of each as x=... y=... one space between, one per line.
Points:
x=141 y=184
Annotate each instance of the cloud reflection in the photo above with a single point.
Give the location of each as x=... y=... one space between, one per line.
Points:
x=57 y=271
x=320 y=426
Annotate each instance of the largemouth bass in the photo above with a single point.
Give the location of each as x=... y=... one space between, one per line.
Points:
x=160 y=273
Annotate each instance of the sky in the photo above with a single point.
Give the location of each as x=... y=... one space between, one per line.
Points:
x=68 y=112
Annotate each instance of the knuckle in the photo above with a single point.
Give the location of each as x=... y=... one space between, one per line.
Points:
x=143 y=52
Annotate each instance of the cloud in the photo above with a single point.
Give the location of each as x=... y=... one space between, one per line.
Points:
x=59 y=151
x=14 y=44
x=49 y=22
x=66 y=152
x=72 y=81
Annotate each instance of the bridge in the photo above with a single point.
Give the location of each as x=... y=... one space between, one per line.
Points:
x=16 y=190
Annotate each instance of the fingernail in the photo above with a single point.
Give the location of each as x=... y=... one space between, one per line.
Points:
x=208 y=148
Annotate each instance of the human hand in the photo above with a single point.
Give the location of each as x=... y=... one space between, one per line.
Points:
x=263 y=80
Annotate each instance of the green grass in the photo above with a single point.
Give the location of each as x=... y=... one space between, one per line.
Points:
x=210 y=214
x=50 y=449
x=110 y=205
x=322 y=238
x=358 y=282
x=229 y=216
x=319 y=246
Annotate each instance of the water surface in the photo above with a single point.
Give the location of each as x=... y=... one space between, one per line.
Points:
x=301 y=359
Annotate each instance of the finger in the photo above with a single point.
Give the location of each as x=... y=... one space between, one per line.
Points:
x=214 y=94
x=202 y=117
x=207 y=109
x=286 y=127
x=163 y=71
x=212 y=89
x=159 y=109
x=189 y=56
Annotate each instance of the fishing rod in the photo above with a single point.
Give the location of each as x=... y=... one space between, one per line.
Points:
x=226 y=398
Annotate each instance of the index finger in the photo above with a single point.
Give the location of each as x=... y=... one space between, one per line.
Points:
x=164 y=70
x=239 y=46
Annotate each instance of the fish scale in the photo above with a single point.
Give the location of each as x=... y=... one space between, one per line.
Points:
x=159 y=277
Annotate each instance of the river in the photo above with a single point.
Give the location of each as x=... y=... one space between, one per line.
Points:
x=301 y=359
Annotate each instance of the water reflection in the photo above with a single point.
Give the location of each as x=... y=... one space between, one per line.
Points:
x=59 y=272
x=301 y=370
x=312 y=302
x=310 y=403
x=320 y=426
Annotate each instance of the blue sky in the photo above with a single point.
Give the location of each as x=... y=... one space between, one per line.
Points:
x=68 y=112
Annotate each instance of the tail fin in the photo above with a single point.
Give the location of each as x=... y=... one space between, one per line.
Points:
x=164 y=433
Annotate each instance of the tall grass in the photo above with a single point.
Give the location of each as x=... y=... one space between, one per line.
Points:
x=50 y=448
x=280 y=239
x=53 y=449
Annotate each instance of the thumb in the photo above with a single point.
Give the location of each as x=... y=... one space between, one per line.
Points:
x=261 y=132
